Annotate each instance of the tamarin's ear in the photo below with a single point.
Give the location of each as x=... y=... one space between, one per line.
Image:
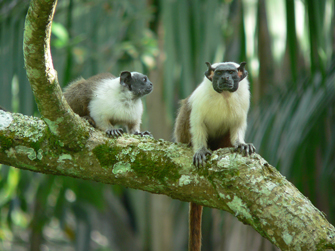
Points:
x=125 y=78
x=242 y=73
x=210 y=71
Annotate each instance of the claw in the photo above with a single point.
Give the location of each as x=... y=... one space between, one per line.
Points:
x=199 y=158
x=115 y=133
x=245 y=149
x=146 y=133
x=143 y=133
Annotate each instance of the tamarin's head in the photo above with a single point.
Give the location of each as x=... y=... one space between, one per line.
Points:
x=226 y=76
x=136 y=82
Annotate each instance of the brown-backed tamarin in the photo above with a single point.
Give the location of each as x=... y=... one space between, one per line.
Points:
x=212 y=117
x=107 y=101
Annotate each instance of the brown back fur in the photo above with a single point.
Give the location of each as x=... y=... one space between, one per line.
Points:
x=182 y=125
x=182 y=129
x=78 y=93
x=182 y=134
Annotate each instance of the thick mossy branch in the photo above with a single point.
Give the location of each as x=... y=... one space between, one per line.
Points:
x=43 y=77
x=248 y=187
x=63 y=144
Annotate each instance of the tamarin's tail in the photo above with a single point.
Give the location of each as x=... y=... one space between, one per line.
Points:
x=194 y=240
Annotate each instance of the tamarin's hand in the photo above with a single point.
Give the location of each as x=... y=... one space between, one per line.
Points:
x=246 y=149
x=214 y=116
x=199 y=158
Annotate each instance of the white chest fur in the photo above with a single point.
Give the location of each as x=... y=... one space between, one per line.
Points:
x=220 y=111
x=114 y=103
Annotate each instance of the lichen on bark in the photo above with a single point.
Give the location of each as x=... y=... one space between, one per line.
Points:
x=247 y=187
x=63 y=144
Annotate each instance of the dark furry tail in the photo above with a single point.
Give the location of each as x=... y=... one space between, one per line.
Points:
x=194 y=240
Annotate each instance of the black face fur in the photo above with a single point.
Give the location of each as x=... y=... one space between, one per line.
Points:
x=137 y=83
x=225 y=76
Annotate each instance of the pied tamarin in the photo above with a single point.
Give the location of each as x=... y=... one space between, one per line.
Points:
x=212 y=117
x=105 y=101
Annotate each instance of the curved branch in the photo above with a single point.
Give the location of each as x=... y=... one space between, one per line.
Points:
x=43 y=77
x=251 y=189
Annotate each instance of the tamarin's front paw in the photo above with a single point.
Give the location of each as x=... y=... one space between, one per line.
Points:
x=143 y=133
x=199 y=158
x=115 y=133
x=246 y=149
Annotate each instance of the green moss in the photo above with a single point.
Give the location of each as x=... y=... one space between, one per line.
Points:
x=156 y=167
x=5 y=143
x=35 y=145
x=106 y=155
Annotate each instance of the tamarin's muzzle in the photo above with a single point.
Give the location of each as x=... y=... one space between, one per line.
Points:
x=224 y=85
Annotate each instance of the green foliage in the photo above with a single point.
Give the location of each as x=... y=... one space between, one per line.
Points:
x=62 y=35
x=291 y=121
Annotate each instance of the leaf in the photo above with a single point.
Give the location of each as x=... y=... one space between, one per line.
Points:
x=62 y=35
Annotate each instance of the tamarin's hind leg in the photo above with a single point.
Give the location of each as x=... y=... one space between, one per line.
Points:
x=194 y=239
x=90 y=120
x=134 y=128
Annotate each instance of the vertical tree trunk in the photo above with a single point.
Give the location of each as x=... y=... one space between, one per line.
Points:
x=266 y=67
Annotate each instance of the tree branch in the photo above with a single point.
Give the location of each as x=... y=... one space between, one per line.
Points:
x=63 y=144
x=251 y=189
x=43 y=77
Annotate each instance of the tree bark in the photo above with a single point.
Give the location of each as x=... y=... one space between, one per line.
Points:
x=248 y=187
x=43 y=77
x=64 y=144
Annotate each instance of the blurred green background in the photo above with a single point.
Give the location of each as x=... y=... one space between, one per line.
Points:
x=289 y=48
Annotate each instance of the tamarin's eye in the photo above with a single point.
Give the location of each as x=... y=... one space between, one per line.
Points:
x=219 y=72
x=145 y=79
x=231 y=72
